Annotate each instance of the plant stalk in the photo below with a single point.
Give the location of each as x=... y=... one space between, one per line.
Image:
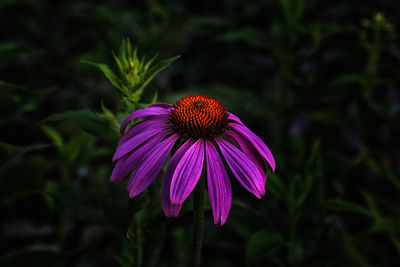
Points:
x=136 y=241
x=198 y=222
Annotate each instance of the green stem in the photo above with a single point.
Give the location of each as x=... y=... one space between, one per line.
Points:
x=198 y=222
x=137 y=245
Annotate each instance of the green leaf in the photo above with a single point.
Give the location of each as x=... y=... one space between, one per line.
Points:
x=6 y=48
x=119 y=64
x=277 y=188
x=308 y=181
x=87 y=121
x=153 y=71
x=391 y=175
x=262 y=245
x=15 y=102
x=54 y=135
x=35 y=98
x=363 y=252
x=10 y=52
x=341 y=205
x=146 y=67
x=309 y=174
x=155 y=97
x=10 y=152
x=314 y=154
x=4 y=84
x=111 y=76
x=109 y=116
x=244 y=219
x=386 y=224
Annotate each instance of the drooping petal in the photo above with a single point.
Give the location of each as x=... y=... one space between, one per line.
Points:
x=234 y=118
x=250 y=151
x=258 y=144
x=135 y=141
x=187 y=173
x=142 y=113
x=126 y=164
x=219 y=186
x=243 y=168
x=160 y=105
x=170 y=209
x=151 y=165
x=142 y=126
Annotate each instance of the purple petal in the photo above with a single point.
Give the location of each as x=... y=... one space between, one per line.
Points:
x=234 y=118
x=243 y=168
x=160 y=105
x=250 y=151
x=219 y=187
x=142 y=113
x=170 y=209
x=151 y=165
x=126 y=164
x=258 y=144
x=141 y=126
x=137 y=140
x=187 y=173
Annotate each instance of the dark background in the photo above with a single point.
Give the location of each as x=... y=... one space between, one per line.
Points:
x=318 y=81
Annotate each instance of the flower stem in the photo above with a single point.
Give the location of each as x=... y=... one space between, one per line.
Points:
x=198 y=222
x=136 y=241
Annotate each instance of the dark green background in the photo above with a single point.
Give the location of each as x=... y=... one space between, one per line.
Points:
x=318 y=81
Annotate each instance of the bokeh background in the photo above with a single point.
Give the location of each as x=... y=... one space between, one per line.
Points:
x=318 y=81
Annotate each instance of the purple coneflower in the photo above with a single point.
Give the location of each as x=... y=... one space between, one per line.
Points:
x=202 y=127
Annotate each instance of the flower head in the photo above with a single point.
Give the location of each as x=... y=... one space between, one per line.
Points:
x=203 y=127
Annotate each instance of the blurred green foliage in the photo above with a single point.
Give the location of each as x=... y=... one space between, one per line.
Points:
x=318 y=81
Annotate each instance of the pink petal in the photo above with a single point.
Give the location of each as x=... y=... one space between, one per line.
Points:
x=135 y=141
x=142 y=126
x=250 y=151
x=234 y=118
x=170 y=209
x=151 y=165
x=243 y=168
x=160 y=105
x=142 y=113
x=187 y=173
x=126 y=164
x=258 y=144
x=219 y=186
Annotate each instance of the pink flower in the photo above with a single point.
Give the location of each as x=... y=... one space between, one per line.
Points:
x=198 y=126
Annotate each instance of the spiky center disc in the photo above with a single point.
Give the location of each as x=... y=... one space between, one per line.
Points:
x=199 y=116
